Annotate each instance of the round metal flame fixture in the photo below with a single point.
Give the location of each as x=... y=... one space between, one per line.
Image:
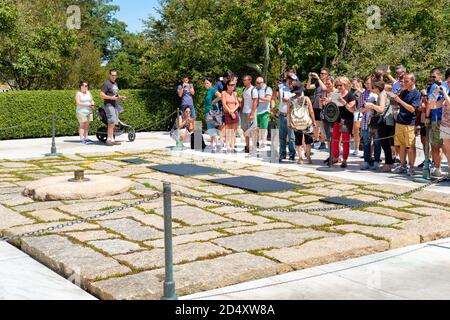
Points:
x=79 y=177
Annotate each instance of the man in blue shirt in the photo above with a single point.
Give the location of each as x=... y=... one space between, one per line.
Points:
x=434 y=115
x=409 y=101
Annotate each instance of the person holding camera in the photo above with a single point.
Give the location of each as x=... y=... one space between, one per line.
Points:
x=186 y=92
x=320 y=92
x=85 y=108
x=343 y=128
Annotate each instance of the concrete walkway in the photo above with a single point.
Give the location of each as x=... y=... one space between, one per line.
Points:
x=23 y=278
x=418 y=272
x=38 y=148
x=147 y=141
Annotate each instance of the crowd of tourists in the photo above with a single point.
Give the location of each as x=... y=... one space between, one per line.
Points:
x=382 y=112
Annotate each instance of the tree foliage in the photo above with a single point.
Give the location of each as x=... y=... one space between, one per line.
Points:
x=205 y=38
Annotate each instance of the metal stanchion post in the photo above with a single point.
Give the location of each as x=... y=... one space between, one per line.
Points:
x=180 y=145
x=274 y=147
x=426 y=177
x=53 y=151
x=330 y=167
x=198 y=136
x=169 y=282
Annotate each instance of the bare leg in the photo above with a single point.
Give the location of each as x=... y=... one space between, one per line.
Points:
x=111 y=132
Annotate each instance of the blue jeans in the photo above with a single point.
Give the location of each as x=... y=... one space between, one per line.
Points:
x=367 y=136
x=193 y=115
x=284 y=132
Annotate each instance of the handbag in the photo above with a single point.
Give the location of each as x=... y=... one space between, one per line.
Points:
x=378 y=120
x=300 y=118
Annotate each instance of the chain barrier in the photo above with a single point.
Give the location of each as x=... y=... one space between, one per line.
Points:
x=42 y=120
x=310 y=210
x=155 y=196
x=149 y=126
x=158 y=195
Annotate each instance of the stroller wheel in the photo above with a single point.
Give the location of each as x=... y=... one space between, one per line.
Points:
x=132 y=135
x=101 y=135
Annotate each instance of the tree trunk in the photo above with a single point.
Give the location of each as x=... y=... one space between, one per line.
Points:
x=339 y=57
x=266 y=57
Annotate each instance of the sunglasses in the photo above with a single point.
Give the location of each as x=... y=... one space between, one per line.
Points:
x=339 y=85
x=324 y=73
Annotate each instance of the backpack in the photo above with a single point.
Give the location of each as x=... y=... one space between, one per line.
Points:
x=300 y=118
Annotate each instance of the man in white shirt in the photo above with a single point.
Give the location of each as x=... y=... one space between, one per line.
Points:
x=263 y=110
x=249 y=105
x=285 y=95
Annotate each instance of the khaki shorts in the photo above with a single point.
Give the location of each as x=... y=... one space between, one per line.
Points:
x=435 y=134
x=246 y=124
x=83 y=117
x=405 y=136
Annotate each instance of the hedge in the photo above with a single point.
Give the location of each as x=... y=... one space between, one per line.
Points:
x=144 y=108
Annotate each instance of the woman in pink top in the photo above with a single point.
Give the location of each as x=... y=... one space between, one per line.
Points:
x=230 y=106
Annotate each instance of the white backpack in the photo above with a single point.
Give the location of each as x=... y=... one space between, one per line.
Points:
x=300 y=118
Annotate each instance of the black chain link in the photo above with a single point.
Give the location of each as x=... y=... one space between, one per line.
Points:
x=155 y=196
x=311 y=210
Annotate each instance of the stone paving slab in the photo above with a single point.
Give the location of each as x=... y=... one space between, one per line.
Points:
x=14 y=200
x=432 y=196
x=85 y=236
x=181 y=254
x=261 y=201
x=196 y=237
x=38 y=206
x=429 y=211
x=397 y=238
x=259 y=227
x=248 y=217
x=270 y=239
x=50 y=215
x=298 y=218
x=429 y=228
x=323 y=251
x=392 y=213
x=218 y=226
x=361 y=217
x=204 y=233
x=132 y=229
x=190 y=277
x=9 y=218
x=38 y=226
x=65 y=257
x=115 y=246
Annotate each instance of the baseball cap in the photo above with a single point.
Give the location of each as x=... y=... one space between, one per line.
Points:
x=297 y=89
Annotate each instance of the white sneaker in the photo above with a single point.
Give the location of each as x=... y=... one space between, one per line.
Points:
x=436 y=173
x=317 y=145
x=355 y=153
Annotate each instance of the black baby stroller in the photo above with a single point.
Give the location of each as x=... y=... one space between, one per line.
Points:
x=121 y=128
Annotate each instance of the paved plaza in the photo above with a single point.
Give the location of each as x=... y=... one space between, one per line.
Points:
x=121 y=256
